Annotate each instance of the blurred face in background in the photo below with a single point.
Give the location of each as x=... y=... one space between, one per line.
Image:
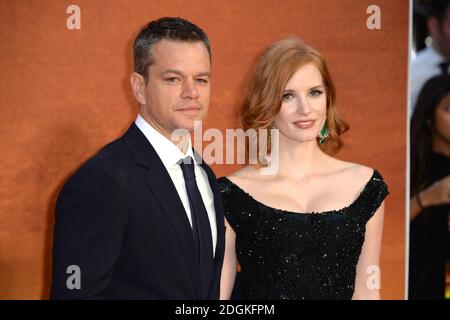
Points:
x=442 y=121
x=440 y=33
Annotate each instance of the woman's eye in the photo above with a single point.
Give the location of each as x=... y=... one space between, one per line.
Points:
x=316 y=93
x=288 y=96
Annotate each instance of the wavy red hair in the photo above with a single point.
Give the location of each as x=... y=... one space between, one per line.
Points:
x=263 y=97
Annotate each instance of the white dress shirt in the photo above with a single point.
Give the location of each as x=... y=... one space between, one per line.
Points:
x=424 y=67
x=169 y=154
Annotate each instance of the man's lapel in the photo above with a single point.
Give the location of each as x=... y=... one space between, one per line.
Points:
x=163 y=189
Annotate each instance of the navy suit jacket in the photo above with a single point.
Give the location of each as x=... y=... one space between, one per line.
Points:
x=119 y=219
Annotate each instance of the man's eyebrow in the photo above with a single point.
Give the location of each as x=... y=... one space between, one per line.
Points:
x=181 y=74
x=172 y=71
x=204 y=74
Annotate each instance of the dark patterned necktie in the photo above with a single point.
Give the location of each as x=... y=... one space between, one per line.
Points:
x=200 y=223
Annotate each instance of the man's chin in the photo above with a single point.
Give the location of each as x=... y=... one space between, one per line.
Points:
x=191 y=124
x=186 y=127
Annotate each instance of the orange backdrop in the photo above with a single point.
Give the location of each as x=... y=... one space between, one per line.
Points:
x=64 y=94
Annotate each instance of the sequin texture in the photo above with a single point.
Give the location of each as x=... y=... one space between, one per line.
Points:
x=288 y=255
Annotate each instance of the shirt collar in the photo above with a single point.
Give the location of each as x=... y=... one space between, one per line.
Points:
x=434 y=56
x=167 y=151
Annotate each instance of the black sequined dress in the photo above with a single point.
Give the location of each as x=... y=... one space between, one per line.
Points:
x=289 y=255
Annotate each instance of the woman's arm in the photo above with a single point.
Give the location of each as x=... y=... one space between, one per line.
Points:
x=229 y=267
x=436 y=194
x=414 y=208
x=368 y=275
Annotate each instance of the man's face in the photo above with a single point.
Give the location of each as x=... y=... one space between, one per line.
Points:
x=178 y=89
x=440 y=32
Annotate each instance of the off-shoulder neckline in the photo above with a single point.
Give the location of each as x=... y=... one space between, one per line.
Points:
x=375 y=174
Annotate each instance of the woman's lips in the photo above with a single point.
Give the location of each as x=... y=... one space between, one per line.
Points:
x=304 y=124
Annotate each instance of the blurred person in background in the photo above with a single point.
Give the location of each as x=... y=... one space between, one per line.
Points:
x=430 y=190
x=431 y=39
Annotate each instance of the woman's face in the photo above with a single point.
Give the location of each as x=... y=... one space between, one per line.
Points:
x=303 y=110
x=442 y=119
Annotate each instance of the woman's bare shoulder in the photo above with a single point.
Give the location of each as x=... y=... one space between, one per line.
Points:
x=245 y=175
x=353 y=172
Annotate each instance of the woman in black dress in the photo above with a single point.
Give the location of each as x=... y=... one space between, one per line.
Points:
x=313 y=229
x=430 y=189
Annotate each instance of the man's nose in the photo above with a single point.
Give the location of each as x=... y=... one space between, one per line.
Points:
x=190 y=90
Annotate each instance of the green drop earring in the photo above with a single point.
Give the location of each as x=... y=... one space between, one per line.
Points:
x=324 y=133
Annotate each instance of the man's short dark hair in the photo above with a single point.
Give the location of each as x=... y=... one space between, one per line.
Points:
x=177 y=29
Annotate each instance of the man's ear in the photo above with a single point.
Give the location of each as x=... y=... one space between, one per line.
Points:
x=433 y=26
x=137 y=83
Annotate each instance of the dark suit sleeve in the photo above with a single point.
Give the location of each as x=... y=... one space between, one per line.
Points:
x=90 y=220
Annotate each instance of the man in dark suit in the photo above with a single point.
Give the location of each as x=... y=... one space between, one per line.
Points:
x=143 y=218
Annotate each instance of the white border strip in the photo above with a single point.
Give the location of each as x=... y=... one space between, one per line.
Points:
x=408 y=108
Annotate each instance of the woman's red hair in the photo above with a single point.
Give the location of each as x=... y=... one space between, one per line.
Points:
x=263 y=98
